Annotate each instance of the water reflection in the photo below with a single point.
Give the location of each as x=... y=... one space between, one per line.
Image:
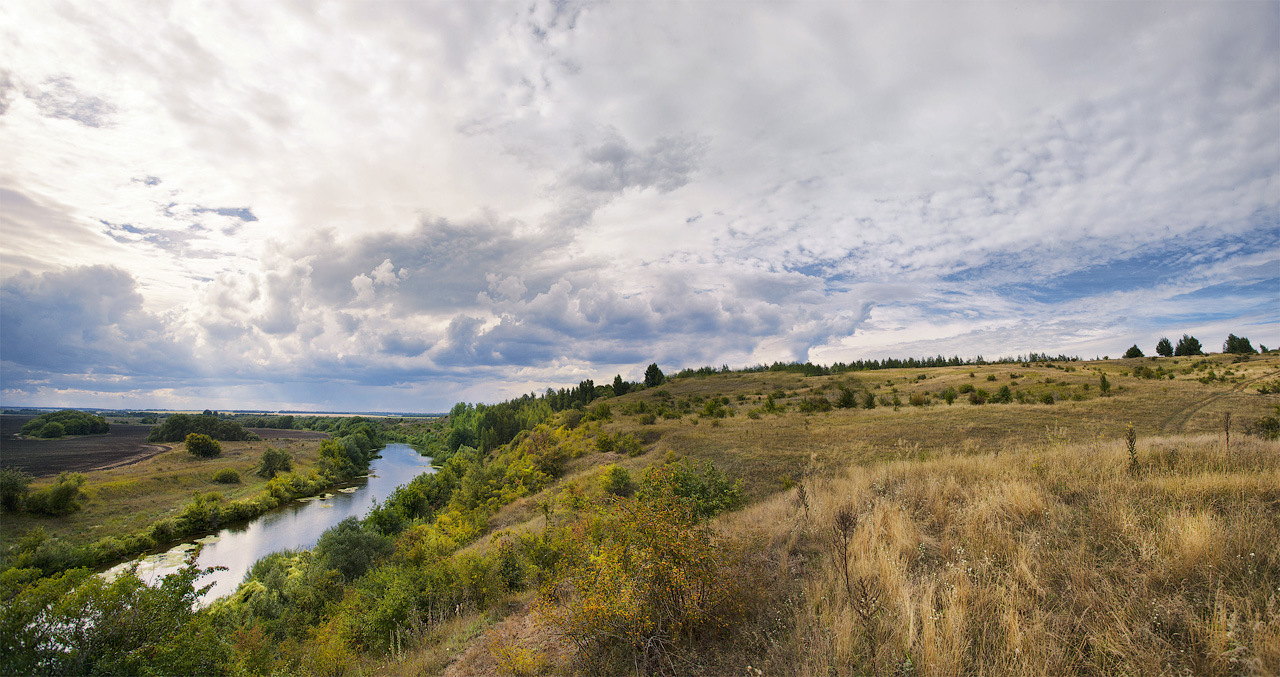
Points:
x=296 y=526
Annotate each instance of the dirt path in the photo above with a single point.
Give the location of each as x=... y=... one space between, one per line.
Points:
x=1176 y=422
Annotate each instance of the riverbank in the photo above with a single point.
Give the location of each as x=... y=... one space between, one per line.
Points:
x=295 y=525
x=151 y=505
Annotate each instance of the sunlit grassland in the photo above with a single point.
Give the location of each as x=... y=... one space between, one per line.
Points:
x=1040 y=559
x=128 y=499
x=993 y=539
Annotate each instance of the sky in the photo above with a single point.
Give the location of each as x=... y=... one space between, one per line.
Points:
x=396 y=206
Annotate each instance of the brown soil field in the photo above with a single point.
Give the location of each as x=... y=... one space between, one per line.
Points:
x=125 y=444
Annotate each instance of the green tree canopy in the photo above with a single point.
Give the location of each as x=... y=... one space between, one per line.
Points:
x=73 y=422
x=1187 y=345
x=1133 y=351
x=274 y=462
x=1238 y=344
x=653 y=376
x=1164 y=348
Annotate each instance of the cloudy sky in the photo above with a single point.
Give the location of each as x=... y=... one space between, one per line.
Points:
x=400 y=205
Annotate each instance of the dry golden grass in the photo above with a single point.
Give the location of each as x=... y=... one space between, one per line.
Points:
x=1045 y=560
x=1000 y=539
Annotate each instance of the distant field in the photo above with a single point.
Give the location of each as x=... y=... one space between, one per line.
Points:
x=125 y=444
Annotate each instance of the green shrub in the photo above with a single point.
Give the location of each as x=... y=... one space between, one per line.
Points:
x=966 y=388
x=227 y=476
x=918 y=399
x=13 y=488
x=978 y=396
x=617 y=481
x=1003 y=396
x=629 y=445
x=949 y=395
x=1047 y=398
x=203 y=446
x=52 y=430
x=648 y=418
x=814 y=403
x=274 y=461
x=350 y=549
x=62 y=498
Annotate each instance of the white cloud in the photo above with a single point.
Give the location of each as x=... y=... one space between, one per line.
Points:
x=521 y=193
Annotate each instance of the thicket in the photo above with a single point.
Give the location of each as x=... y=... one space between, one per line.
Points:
x=66 y=422
x=177 y=426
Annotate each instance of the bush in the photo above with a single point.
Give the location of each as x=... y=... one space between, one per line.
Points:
x=274 y=461
x=648 y=418
x=350 y=549
x=814 y=403
x=949 y=395
x=707 y=492
x=1003 y=396
x=13 y=488
x=617 y=481
x=640 y=585
x=966 y=388
x=62 y=498
x=203 y=446
x=978 y=396
x=227 y=476
x=52 y=430
x=1047 y=398
x=918 y=399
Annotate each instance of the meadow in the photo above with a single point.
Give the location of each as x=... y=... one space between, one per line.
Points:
x=1049 y=517
x=951 y=539
x=125 y=499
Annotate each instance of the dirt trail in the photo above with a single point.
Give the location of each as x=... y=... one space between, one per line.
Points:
x=1177 y=421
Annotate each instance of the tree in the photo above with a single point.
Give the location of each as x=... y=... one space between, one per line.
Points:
x=1104 y=385
x=620 y=387
x=1238 y=344
x=1133 y=351
x=13 y=488
x=274 y=462
x=1164 y=348
x=653 y=376
x=1187 y=345
x=52 y=430
x=203 y=445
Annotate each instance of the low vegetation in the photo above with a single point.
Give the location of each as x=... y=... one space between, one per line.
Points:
x=1069 y=517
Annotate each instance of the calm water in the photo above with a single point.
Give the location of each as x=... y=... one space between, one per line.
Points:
x=296 y=526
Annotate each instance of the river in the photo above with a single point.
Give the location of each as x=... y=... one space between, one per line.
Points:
x=296 y=526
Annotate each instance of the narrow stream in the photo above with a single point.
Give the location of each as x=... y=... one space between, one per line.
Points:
x=296 y=526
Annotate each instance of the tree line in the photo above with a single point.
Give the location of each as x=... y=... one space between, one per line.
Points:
x=1189 y=345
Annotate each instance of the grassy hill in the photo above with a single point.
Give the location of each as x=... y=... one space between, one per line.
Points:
x=1105 y=517
x=1019 y=538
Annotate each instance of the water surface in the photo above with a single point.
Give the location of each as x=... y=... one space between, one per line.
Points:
x=295 y=526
